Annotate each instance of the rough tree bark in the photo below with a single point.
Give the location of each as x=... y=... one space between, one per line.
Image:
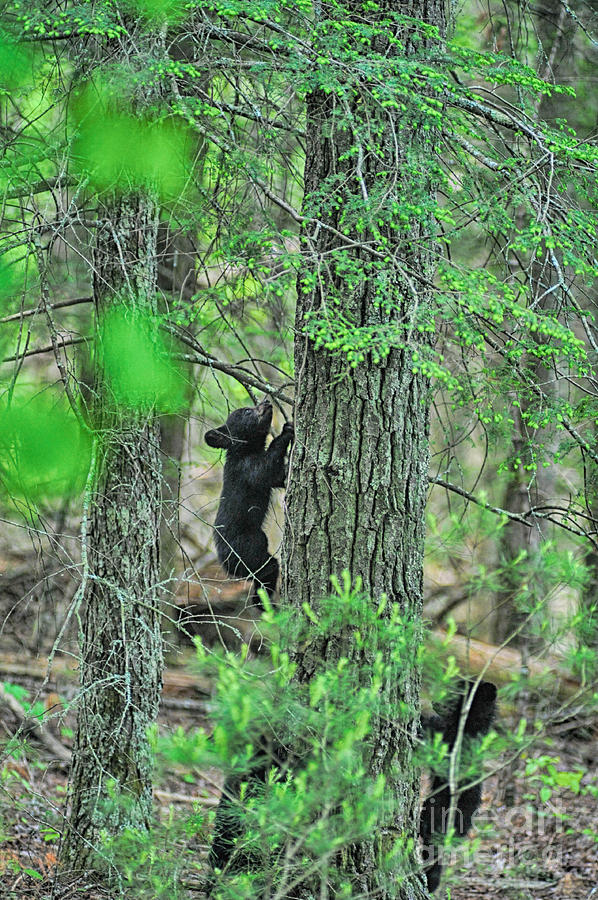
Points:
x=358 y=483
x=120 y=642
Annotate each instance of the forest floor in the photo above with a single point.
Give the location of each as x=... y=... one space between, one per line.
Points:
x=517 y=853
x=524 y=848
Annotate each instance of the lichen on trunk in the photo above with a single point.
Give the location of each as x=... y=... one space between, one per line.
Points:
x=120 y=640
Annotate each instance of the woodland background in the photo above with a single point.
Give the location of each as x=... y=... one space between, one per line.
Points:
x=158 y=230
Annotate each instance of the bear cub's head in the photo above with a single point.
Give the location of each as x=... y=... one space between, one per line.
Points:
x=245 y=429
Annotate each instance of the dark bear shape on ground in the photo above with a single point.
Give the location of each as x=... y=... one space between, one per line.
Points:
x=227 y=851
x=435 y=813
x=250 y=473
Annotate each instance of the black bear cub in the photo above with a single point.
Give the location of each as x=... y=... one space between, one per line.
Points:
x=250 y=473
x=435 y=813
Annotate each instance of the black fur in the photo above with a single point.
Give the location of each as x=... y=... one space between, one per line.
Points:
x=250 y=473
x=435 y=812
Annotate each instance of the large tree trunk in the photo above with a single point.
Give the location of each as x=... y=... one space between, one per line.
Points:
x=121 y=651
x=359 y=466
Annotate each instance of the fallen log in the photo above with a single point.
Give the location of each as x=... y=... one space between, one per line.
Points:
x=500 y=664
x=174 y=682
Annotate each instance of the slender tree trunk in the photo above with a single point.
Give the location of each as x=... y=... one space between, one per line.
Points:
x=359 y=466
x=120 y=643
x=523 y=491
x=527 y=485
x=587 y=629
x=177 y=256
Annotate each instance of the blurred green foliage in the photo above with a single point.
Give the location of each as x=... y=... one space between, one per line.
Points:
x=16 y=64
x=138 y=363
x=11 y=284
x=44 y=450
x=118 y=150
x=159 y=10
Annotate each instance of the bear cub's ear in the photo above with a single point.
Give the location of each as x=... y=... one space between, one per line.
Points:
x=218 y=437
